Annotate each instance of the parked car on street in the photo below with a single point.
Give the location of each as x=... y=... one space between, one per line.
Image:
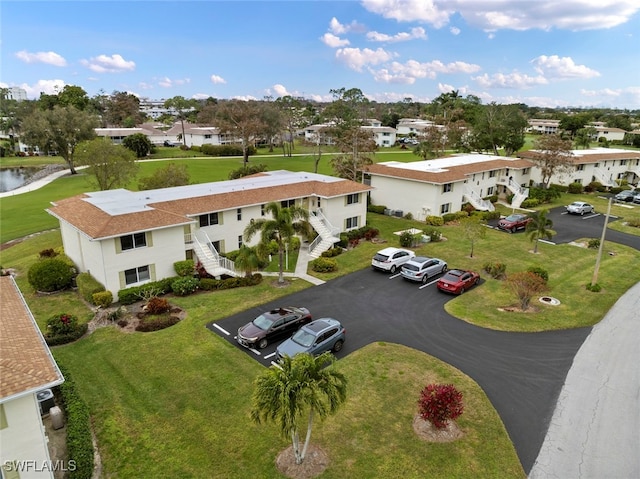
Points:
x=580 y=208
x=421 y=268
x=636 y=198
x=514 y=222
x=391 y=259
x=324 y=334
x=457 y=281
x=274 y=324
x=625 y=196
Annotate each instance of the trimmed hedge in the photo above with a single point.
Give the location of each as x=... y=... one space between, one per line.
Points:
x=433 y=220
x=209 y=284
x=74 y=335
x=51 y=274
x=225 y=150
x=323 y=265
x=184 y=286
x=185 y=267
x=102 y=298
x=379 y=209
x=330 y=253
x=88 y=286
x=79 y=440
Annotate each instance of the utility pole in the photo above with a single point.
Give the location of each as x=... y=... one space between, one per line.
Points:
x=594 y=280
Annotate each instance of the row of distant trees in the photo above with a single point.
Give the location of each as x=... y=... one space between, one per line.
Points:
x=63 y=121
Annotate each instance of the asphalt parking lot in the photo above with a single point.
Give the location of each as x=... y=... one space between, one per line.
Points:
x=521 y=373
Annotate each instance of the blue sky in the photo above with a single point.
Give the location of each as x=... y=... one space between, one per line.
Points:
x=558 y=53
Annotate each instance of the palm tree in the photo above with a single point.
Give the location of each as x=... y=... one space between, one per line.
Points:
x=297 y=387
x=247 y=260
x=285 y=223
x=539 y=227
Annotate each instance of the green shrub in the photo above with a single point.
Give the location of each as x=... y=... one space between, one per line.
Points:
x=406 y=239
x=324 y=265
x=593 y=244
x=595 y=288
x=595 y=186
x=408 y=216
x=225 y=150
x=344 y=240
x=294 y=243
x=434 y=234
x=61 y=324
x=210 y=284
x=78 y=422
x=185 y=267
x=137 y=293
x=495 y=270
x=448 y=218
x=80 y=331
x=537 y=270
x=634 y=222
x=102 y=298
x=434 y=220
x=88 y=286
x=461 y=214
x=330 y=253
x=575 y=188
x=184 y=286
x=492 y=198
x=530 y=203
x=50 y=274
x=490 y=215
x=246 y=171
x=379 y=209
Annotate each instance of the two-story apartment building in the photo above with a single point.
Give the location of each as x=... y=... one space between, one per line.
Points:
x=443 y=185
x=26 y=367
x=605 y=165
x=126 y=238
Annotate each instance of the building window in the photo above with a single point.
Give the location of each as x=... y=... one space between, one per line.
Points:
x=447 y=187
x=137 y=275
x=578 y=180
x=239 y=241
x=492 y=174
x=288 y=203
x=490 y=191
x=525 y=171
x=353 y=198
x=207 y=137
x=239 y=214
x=137 y=240
x=352 y=222
x=261 y=210
x=596 y=165
x=209 y=220
x=445 y=208
x=580 y=168
x=623 y=162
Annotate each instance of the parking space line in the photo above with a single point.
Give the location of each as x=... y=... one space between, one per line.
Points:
x=268 y=356
x=395 y=275
x=591 y=216
x=223 y=330
x=428 y=284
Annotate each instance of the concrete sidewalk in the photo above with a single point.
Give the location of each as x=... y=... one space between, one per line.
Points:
x=301 y=268
x=595 y=429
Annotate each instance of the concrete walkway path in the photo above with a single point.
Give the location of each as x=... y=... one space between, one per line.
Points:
x=595 y=430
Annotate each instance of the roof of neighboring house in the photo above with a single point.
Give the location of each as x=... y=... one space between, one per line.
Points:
x=448 y=169
x=26 y=363
x=379 y=129
x=105 y=214
x=145 y=129
x=191 y=129
x=593 y=155
x=609 y=129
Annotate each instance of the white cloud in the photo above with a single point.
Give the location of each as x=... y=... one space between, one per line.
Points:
x=492 y=15
x=108 y=64
x=333 y=41
x=339 y=29
x=167 y=82
x=50 y=58
x=356 y=58
x=244 y=97
x=145 y=85
x=414 y=33
x=555 y=67
x=215 y=79
x=200 y=96
x=410 y=71
x=280 y=90
x=427 y=11
x=510 y=80
x=454 y=31
x=49 y=87
x=623 y=97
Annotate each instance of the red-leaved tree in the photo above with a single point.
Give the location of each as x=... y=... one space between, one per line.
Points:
x=439 y=404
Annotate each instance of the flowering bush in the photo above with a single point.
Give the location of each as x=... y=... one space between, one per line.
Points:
x=440 y=403
x=61 y=324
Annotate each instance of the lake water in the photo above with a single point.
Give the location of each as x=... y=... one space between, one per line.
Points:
x=12 y=178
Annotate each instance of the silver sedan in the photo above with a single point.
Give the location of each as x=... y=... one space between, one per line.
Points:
x=580 y=208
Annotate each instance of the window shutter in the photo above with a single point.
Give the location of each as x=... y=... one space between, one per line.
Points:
x=220 y=218
x=152 y=272
x=118 y=245
x=149 y=239
x=123 y=282
x=222 y=250
x=10 y=470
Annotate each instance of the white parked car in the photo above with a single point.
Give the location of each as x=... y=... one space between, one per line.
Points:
x=580 y=208
x=390 y=259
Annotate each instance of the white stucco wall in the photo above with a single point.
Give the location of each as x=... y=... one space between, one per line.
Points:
x=23 y=439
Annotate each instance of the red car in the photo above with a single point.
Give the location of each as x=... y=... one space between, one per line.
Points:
x=514 y=222
x=458 y=281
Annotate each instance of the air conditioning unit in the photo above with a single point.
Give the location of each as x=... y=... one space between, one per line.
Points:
x=45 y=400
x=398 y=213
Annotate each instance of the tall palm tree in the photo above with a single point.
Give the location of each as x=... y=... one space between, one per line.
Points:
x=283 y=225
x=299 y=387
x=247 y=260
x=539 y=227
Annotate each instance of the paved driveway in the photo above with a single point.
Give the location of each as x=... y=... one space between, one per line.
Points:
x=521 y=373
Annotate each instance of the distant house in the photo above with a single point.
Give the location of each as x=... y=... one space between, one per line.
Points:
x=605 y=165
x=442 y=185
x=413 y=126
x=609 y=134
x=127 y=238
x=383 y=136
x=196 y=135
x=117 y=135
x=546 y=127
x=26 y=367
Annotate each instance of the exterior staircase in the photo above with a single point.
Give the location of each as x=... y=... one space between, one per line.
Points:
x=328 y=234
x=603 y=178
x=476 y=200
x=213 y=263
x=519 y=193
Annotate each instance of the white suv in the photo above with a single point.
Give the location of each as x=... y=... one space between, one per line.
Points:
x=390 y=259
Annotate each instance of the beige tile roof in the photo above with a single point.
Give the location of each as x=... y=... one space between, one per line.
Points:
x=450 y=173
x=96 y=223
x=26 y=364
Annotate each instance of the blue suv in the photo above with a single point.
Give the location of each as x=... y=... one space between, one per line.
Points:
x=324 y=334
